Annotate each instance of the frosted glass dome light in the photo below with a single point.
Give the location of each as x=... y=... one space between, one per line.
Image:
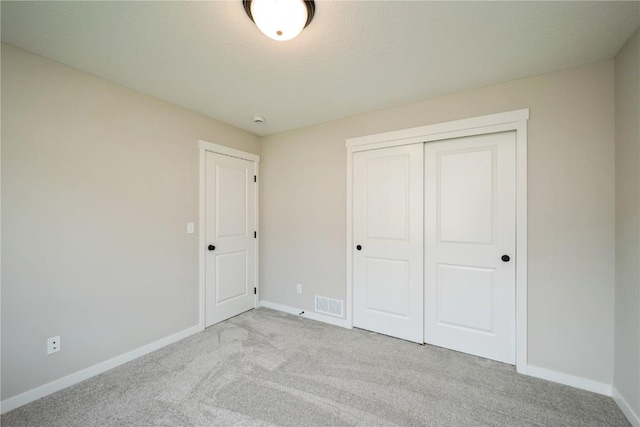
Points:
x=280 y=19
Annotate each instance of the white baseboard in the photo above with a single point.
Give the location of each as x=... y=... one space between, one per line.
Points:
x=628 y=412
x=566 y=379
x=71 y=379
x=336 y=321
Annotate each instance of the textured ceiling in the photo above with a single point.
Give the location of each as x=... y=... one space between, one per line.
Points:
x=355 y=56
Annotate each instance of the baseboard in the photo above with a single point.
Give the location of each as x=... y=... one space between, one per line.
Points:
x=633 y=418
x=307 y=314
x=71 y=379
x=570 y=380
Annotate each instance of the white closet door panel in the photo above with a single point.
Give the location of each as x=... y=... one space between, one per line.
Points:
x=388 y=228
x=469 y=225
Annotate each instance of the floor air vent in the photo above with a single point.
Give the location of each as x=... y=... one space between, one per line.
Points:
x=330 y=306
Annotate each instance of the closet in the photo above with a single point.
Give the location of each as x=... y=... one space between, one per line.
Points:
x=433 y=239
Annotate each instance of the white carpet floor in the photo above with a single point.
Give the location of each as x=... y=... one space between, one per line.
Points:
x=266 y=368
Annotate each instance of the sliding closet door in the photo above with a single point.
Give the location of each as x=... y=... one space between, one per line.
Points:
x=470 y=191
x=388 y=241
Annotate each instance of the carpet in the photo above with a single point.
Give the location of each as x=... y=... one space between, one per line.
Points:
x=267 y=368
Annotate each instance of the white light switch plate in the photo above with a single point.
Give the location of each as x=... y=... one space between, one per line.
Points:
x=190 y=228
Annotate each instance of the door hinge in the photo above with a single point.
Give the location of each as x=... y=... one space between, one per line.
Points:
x=255 y=234
x=255 y=178
x=255 y=291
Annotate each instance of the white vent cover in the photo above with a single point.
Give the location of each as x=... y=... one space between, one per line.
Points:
x=330 y=306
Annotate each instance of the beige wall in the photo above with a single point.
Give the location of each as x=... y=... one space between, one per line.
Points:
x=571 y=208
x=627 y=304
x=98 y=183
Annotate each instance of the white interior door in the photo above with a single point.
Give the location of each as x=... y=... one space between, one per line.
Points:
x=470 y=190
x=388 y=240
x=230 y=260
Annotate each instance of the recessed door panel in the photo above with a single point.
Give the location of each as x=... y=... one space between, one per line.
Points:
x=388 y=241
x=388 y=286
x=465 y=297
x=466 y=202
x=231 y=280
x=231 y=185
x=230 y=254
x=469 y=225
x=387 y=197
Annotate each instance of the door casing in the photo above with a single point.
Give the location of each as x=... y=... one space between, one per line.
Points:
x=205 y=146
x=508 y=121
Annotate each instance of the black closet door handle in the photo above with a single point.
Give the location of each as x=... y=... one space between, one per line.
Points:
x=211 y=248
x=505 y=258
x=359 y=247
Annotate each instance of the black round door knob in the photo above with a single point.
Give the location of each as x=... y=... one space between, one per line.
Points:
x=359 y=247
x=211 y=248
x=506 y=258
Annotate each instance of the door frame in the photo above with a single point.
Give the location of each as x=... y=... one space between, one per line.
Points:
x=502 y=122
x=205 y=146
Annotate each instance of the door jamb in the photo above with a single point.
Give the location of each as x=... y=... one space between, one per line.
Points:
x=501 y=122
x=205 y=146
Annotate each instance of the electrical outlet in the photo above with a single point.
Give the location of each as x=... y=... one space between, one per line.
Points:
x=53 y=345
x=299 y=288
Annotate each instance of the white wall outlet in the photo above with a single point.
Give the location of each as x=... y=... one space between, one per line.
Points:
x=190 y=228
x=53 y=345
x=299 y=288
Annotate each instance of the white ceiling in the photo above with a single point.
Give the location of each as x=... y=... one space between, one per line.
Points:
x=355 y=57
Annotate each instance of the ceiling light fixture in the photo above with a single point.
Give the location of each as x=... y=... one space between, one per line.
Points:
x=280 y=19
